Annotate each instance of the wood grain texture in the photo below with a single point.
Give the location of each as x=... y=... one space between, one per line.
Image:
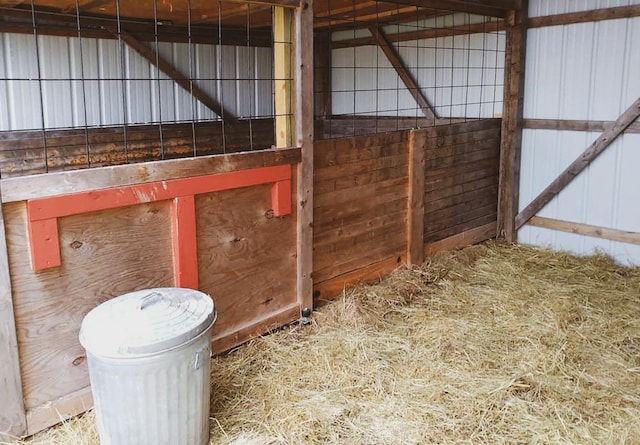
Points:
x=361 y=203
x=246 y=257
x=415 y=212
x=464 y=239
x=622 y=236
x=304 y=139
x=607 y=137
x=12 y=413
x=619 y=12
x=65 y=407
x=284 y=71
x=512 y=114
x=104 y=254
x=22 y=152
x=53 y=184
x=574 y=125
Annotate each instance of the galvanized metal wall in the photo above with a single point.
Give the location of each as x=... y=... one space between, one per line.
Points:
x=44 y=82
x=585 y=71
x=461 y=76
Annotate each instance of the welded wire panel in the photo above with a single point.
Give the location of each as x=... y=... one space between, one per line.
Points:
x=89 y=84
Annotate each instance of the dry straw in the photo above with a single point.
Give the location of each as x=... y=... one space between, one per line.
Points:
x=493 y=344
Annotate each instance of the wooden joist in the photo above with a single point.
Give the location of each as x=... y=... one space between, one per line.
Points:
x=492 y=8
x=406 y=77
x=569 y=174
x=622 y=236
x=167 y=68
x=596 y=15
x=574 y=125
x=513 y=102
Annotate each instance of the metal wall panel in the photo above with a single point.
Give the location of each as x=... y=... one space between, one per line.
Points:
x=584 y=71
x=461 y=76
x=550 y=7
x=120 y=86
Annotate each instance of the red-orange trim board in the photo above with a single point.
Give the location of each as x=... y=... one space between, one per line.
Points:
x=43 y=213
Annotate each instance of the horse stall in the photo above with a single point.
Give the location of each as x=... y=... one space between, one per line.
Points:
x=271 y=154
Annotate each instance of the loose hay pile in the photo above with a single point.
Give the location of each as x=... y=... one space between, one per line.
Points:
x=492 y=344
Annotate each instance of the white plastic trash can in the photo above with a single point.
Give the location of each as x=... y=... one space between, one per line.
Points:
x=149 y=360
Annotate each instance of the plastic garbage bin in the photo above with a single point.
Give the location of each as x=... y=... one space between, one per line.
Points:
x=149 y=361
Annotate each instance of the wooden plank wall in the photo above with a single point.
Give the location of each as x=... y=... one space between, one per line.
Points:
x=246 y=261
x=23 y=152
x=461 y=183
x=360 y=209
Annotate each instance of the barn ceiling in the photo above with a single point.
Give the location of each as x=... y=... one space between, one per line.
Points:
x=255 y=14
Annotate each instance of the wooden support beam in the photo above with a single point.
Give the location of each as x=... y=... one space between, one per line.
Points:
x=397 y=63
x=622 y=236
x=167 y=68
x=421 y=34
x=597 y=15
x=493 y=9
x=84 y=7
x=574 y=125
x=511 y=133
x=13 y=422
x=283 y=60
x=415 y=212
x=322 y=74
x=589 y=155
x=304 y=139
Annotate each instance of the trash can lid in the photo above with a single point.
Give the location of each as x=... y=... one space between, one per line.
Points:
x=146 y=322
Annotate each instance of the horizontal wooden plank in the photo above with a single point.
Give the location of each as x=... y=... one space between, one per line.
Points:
x=375 y=252
x=350 y=233
x=55 y=411
x=619 y=12
x=462 y=127
x=345 y=152
x=439 y=220
x=461 y=240
x=431 y=175
x=480 y=196
x=622 y=236
x=361 y=192
x=41 y=186
x=460 y=190
x=475 y=141
x=337 y=216
x=434 y=185
x=461 y=227
x=347 y=182
x=355 y=168
x=489 y=152
x=574 y=125
x=333 y=287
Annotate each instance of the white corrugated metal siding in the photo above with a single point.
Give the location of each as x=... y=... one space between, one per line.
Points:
x=461 y=76
x=587 y=71
x=113 y=93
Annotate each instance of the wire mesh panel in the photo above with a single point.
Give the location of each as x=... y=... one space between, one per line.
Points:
x=89 y=84
x=394 y=67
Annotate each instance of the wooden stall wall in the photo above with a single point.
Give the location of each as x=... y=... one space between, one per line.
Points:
x=461 y=184
x=246 y=259
x=385 y=200
x=360 y=209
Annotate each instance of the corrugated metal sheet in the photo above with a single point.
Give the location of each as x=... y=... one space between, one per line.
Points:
x=550 y=7
x=585 y=71
x=461 y=76
x=120 y=86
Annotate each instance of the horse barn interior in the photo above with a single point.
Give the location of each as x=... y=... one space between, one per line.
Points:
x=273 y=153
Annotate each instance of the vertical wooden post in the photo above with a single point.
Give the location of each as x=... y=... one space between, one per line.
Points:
x=13 y=421
x=283 y=58
x=304 y=139
x=415 y=212
x=511 y=143
x=185 y=245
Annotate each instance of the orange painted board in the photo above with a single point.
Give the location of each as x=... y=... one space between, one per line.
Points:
x=45 y=245
x=92 y=201
x=281 y=197
x=185 y=249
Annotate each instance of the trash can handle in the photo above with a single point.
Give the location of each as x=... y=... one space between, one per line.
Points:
x=148 y=300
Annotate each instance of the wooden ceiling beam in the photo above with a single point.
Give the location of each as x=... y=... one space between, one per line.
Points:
x=403 y=72
x=488 y=8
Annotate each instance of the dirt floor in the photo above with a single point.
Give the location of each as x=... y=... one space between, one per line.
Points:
x=492 y=344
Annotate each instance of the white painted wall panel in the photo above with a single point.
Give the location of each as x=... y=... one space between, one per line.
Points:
x=461 y=76
x=120 y=86
x=584 y=71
